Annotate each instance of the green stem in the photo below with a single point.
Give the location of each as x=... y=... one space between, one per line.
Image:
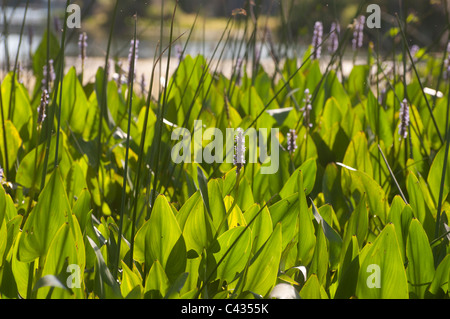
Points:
x=393 y=176
x=127 y=150
x=441 y=188
x=161 y=115
x=61 y=75
x=419 y=81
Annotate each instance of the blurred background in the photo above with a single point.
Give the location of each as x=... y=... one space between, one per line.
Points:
x=290 y=21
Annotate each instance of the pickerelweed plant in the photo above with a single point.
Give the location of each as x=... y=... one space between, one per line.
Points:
x=93 y=206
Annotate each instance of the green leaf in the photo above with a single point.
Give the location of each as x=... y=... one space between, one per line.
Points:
x=44 y=221
x=197 y=230
x=382 y=275
x=160 y=239
x=357 y=154
x=363 y=183
x=63 y=252
x=319 y=262
x=420 y=268
x=306 y=240
x=439 y=285
x=334 y=239
x=131 y=286
x=312 y=289
x=3 y=241
x=401 y=215
x=82 y=208
x=332 y=192
x=22 y=113
x=236 y=259
x=103 y=276
x=75 y=183
x=358 y=223
x=31 y=167
x=284 y=212
x=309 y=170
x=378 y=120
x=358 y=81
x=217 y=205
x=262 y=225
x=14 y=143
x=74 y=107
x=435 y=176
x=203 y=186
x=263 y=269
x=157 y=282
x=20 y=270
x=419 y=205
x=348 y=271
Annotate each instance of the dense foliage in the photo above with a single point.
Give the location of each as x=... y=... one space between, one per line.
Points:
x=358 y=208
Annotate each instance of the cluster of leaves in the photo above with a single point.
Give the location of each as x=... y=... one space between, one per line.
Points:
x=332 y=209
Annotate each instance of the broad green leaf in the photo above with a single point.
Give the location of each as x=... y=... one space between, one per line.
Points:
x=336 y=91
x=363 y=183
x=382 y=274
x=75 y=183
x=332 y=192
x=105 y=285
x=21 y=111
x=332 y=113
x=192 y=269
x=357 y=154
x=306 y=240
x=285 y=212
x=237 y=255
x=378 y=120
x=3 y=240
x=187 y=207
x=312 y=289
x=420 y=269
x=348 y=270
x=261 y=227
x=81 y=209
x=217 y=205
x=131 y=286
x=439 y=285
x=320 y=261
x=235 y=216
x=400 y=216
x=203 y=187
x=160 y=238
x=29 y=173
x=74 y=107
x=20 y=270
x=262 y=271
x=309 y=170
x=62 y=253
x=417 y=200
x=358 y=223
x=358 y=81
x=435 y=176
x=334 y=239
x=14 y=143
x=44 y=221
